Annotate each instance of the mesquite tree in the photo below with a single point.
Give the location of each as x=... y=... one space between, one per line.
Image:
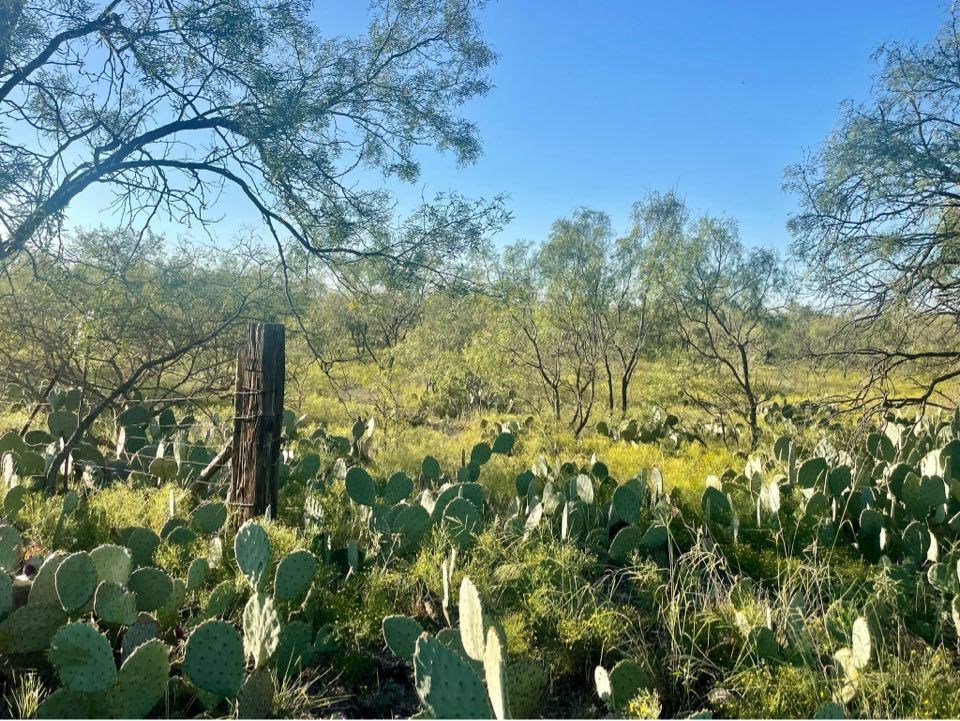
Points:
x=878 y=226
x=726 y=300
x=172 y=103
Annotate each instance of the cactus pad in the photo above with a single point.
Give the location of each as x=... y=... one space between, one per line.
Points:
x=460 y=519
x=627 y=679
x=10 y=546
x=626 y=503
x=472 y=631
x=398 y=488
x=430 y=468
x=62 y=424
x=261 y=628
x=583 y=488
x=255 y=700
x=152 y=587
x=181 y=536
x=6 y=595
x=625 y=543
x=209 y=517
x=360 y=486
x=76 y=580
x=66 y=704
x=295 y=649
x=30 y=627
x=197 y=573
x=137 y=634
x=413 y=523
x=480 y=453
x=13 y=500
x=213 y=659
x=401 y=634
x=494 y=670
x=112 y=563
x=142 y=543
x=812 y=472
x=113 y=606
x=295 y=573
x=526 y=681
x=221 y=599
x=716 y=506
x=83 y=658
x=252 y=549
x=169 y=613
x=503 y=443
x=446 y=684
x=141 y=682
x=861 y=644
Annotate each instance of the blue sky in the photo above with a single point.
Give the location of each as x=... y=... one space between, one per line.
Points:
x=596 y=102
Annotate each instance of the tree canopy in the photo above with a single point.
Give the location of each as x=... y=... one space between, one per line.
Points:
x=170 y=103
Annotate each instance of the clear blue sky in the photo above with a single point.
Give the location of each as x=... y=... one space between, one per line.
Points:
x=595 y=102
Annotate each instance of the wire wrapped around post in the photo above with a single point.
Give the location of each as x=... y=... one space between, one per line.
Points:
x=258 y=422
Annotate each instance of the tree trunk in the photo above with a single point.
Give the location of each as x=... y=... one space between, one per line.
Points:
x=606 y=365
x=258 y=421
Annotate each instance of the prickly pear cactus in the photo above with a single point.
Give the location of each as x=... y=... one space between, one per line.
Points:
x=169 y=613
x=626 y=503
x=209 y=517
x=413 y=524
x=447 y=686
x=296 y=648
x=625 y=543
x=181 y=536
x=261 y=628
x=83 y=658
x=142 y=630
x=30 y=628
x=113 y=606
x=460 y=518
x=66 y=704
x=76 y=580
x=526 y=681
x=197 y=573
x=44 y=588
x=256 y=696
x=503 y=443
x=397 y=488
x=621 y=685
x=142 y=543
x=401 y=634
x=472 y=631
x=295 y=573
x=252 y=550
x=152 y=587
x=112 y=563
x=10 y=547
x=213 y=659
x=141 y=682
x=221 y=600
x=430 y=469
x=495 y=673
x=361 y=487
x=62 y=424
x=6 y=596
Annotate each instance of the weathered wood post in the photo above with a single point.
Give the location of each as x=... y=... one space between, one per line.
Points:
x=258 y=421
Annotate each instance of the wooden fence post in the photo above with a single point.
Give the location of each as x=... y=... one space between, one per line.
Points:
x=258 y=422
